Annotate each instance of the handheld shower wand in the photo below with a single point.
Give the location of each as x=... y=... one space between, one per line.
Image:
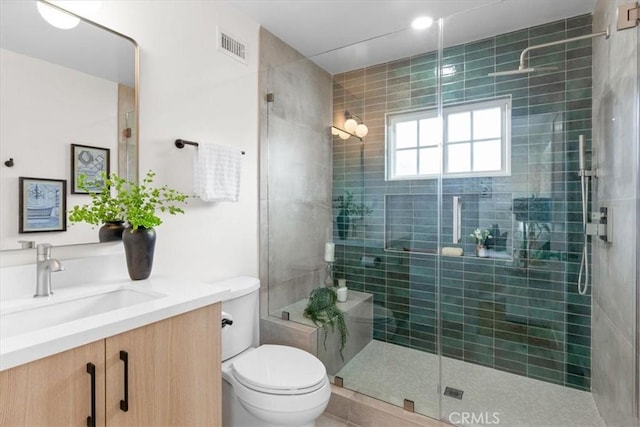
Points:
x=584 y=187
x=600 y=224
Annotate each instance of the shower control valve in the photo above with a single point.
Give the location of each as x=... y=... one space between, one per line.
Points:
x=601 y=225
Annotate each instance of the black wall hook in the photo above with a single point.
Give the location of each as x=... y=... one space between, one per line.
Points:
x=9 y=163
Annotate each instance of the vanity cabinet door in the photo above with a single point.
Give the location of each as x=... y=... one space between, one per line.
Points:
x=174 y=375
x=55 y=390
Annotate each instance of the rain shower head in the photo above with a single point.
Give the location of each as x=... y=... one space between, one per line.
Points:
x=521 y=70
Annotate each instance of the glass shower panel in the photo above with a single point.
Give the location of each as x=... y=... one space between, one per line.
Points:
x=513 y=328
x=296 y=189
x=386 y=249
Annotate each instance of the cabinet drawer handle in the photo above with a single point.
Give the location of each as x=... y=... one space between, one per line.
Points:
x=124 y=404
x=91 y=370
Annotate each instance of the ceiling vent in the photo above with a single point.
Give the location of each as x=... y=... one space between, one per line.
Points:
x=232 y=47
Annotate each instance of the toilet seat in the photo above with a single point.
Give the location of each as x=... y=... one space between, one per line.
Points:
x=282 y=409
x=282 y=370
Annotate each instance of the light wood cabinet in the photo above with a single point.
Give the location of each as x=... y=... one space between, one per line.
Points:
x=54 y=391
x=173 y=369
x=174 y=372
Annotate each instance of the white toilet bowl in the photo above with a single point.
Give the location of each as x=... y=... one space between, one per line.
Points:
x=268 y=385
x=274 y=385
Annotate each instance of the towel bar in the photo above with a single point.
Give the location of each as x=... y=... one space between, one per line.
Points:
x=180 y=143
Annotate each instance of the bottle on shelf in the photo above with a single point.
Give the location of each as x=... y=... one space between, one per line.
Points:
x=342 y=290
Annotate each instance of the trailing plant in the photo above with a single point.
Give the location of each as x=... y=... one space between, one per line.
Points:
x=134 y=203
x=322 y=310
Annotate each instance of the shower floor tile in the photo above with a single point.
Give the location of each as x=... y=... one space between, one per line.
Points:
x=393 y=373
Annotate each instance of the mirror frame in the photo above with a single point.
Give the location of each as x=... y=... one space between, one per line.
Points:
x=136 y=105
x=136 y=88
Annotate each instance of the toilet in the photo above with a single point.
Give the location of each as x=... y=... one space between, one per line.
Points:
x=267 y=385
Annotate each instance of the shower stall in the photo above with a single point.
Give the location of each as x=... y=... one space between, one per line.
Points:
x=472 y=331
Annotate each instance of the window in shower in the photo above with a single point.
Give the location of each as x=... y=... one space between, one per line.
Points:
x=475 y=141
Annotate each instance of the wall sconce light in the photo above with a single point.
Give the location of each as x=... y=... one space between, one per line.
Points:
x=340 y=133
x=351 y=128
x=351 y=125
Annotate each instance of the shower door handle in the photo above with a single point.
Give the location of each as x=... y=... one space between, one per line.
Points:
x=457 y=219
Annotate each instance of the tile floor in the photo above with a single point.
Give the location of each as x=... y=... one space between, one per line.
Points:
x=328 y=420
x=517 y=400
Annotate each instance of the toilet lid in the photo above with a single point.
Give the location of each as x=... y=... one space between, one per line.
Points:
x=277 y=369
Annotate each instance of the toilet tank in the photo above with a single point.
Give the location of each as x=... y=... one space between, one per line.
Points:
x=243 y=306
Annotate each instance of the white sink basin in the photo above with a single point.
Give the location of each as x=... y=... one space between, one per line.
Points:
x=34 y=328
x=44 y=313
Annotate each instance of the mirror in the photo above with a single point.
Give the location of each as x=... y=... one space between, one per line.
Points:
x=60 y=87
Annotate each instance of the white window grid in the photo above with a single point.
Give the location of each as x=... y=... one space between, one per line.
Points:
x=504 y=103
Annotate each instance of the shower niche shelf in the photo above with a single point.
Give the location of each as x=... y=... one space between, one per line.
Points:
x=493 y=255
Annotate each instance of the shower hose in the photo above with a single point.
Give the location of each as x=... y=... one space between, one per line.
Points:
x=584 y=187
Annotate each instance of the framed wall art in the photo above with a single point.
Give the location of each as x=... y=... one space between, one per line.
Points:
x=91 y=162
x=43 y=205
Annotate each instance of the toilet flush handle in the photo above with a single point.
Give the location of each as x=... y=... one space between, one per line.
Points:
x=227 y=320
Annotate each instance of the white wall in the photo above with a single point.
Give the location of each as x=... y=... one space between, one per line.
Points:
x=190 y=90
x=44 y=109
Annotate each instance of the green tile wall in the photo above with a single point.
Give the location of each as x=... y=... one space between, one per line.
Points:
x=521 y=315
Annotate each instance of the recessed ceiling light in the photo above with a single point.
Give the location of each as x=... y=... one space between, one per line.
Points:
x=63 y=20
x=84 y=8
x=422 y=22
x=56 y=17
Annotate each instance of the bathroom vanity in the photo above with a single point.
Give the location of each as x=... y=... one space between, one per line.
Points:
x=172 y=371
x=151 y=362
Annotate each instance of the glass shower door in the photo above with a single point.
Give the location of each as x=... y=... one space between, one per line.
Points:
x=388 y=252
x=514 y=332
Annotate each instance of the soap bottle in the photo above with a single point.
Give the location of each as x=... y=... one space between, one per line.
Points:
x=342 y=290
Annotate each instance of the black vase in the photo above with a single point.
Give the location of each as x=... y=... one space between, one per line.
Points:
x=111 y=231
x=138 y=248
x=343 y=223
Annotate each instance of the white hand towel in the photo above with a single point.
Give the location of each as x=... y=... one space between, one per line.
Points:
x=216 y=173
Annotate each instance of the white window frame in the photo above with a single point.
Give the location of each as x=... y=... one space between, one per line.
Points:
x=504 y=103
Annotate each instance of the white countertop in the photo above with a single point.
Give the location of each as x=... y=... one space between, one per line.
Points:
x=179 y=296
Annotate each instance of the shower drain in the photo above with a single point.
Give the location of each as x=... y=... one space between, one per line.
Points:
x=453 y=392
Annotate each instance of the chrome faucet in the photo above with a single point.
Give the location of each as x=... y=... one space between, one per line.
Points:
x=45 y=266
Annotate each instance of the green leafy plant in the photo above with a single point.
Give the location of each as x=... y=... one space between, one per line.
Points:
x=480 y=236
x=137 y=204
x=347 y=206
x=322 y=310
x=537 y=242
x=104 y=207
